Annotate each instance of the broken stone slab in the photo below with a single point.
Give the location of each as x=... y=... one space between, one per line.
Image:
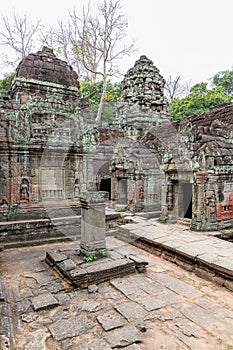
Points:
x=54 y=257
x=124 y=336
x=176 y=285
x=154 y=303
x=132 y=311
x=41 y=278
x=72 y=327
x=22 y=306
x=210 y=322
x=140 y=264
x=90 y=306
x=44 y=301
x=66 y=265
x=128 y=289
x=111 y=320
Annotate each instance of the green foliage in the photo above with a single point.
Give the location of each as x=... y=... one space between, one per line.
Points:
x=5 y=82
x=198 y=101
x=89 y=258
x=225 y=79
x=94 y=90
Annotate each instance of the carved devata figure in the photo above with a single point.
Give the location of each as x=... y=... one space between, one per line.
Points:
x=24 y=190
x=76 y=188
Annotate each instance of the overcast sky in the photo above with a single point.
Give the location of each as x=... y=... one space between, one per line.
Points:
x=191 y=38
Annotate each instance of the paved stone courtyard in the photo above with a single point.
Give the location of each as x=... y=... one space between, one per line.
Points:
x=164 y=308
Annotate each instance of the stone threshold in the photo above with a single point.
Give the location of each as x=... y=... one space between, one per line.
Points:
x=71 y=267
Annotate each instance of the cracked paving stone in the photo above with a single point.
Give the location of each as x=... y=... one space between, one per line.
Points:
x=44 y=301
x=23 y=306
x=154 y=303
x=147 y=285
x=40 y=278
x=90 y=306
x=124 y=336
x=72 y=327
x=163 y=315
x=212 y=323
x=191 y=342
x=111 y=320
x=128 y=288
x=132 y=311
x=63 y=298
x=176 y=285
x=211 y=306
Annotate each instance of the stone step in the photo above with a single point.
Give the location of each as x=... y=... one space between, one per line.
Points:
x=184 y=222
x=150 y=214
x=36 y=242
x=81 y=274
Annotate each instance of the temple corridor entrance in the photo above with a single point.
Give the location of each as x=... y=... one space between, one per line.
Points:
x=105 y=185
x=187 y=200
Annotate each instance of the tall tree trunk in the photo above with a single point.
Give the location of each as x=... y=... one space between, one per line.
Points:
x=102 y=99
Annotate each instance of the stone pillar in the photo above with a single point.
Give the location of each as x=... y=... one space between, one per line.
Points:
x=93 y=241
x=169 y=195
x=199 y=200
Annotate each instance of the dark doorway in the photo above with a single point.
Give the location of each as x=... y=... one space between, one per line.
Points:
x=105 y=185
x=187 y=200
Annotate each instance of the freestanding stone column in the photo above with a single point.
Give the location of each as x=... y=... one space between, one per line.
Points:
x=93 y=238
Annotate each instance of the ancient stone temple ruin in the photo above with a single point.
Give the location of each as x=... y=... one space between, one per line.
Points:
x=42 y=151
x=135 y=170
x=199 y=182
x=51 y=150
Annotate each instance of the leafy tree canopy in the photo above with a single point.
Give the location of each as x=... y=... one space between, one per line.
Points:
x=5 y=82
x=198 y=101
x=225 y=79
x=94 y=91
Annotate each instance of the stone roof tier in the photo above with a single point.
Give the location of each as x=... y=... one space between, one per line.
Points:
x=45 y=66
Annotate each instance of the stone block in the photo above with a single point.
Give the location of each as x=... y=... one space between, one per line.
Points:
x=55 y=257
x=66 y=265
x=44 y=301
x=154 y=303
x=111 y=320
x=140 y=264
x=124 y=336
x=72 y=327
x=132 y=311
